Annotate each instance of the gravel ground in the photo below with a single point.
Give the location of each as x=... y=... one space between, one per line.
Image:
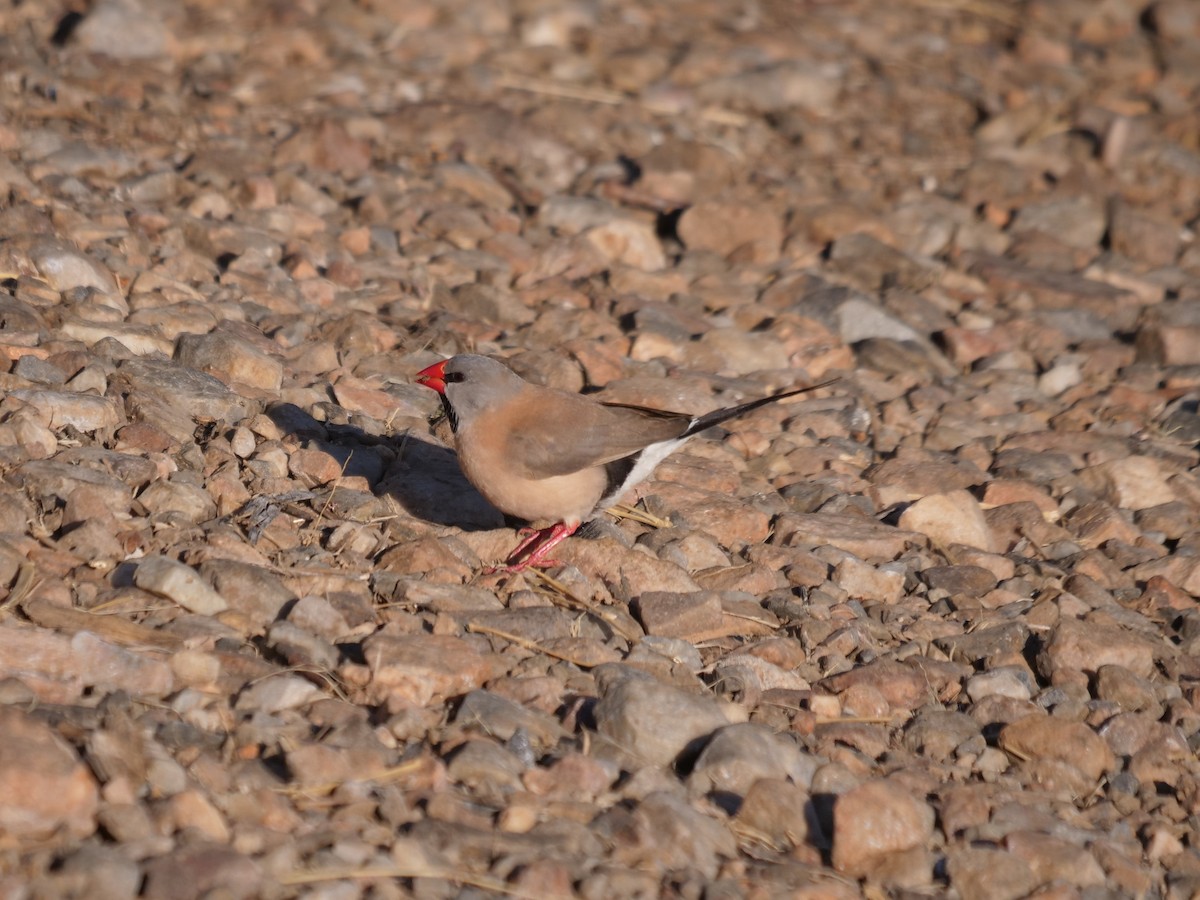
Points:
x=930 y=631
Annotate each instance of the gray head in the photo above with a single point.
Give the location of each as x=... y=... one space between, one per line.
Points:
x=470 y=384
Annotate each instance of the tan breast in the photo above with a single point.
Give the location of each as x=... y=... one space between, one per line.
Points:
x=539 y=501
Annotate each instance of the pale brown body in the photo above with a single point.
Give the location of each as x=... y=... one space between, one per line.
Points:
x=489 y=465
x=546 y=468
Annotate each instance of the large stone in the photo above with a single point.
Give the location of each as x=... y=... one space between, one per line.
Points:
x=419 y=668
x=231 y=358
x=125 y=29
x=59 y=409
x=754 y=233
x=865 y=538
x=1085 y=647
x=45 y=786
x=951 y=518
x=1134 y=482
x=175 y=398
x=59 y=669
x=654 y=722
x=875 y=821
x=739 y=755
x=1041 y=737
x=693 y=616
x=180 y=584
x=629 y=242
x=65 y=268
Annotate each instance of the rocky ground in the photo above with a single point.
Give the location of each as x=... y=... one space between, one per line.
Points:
x=931 y=631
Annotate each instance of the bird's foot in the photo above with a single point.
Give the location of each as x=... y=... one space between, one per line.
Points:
x=511 y=568
x=513 y=562
x=531 y=552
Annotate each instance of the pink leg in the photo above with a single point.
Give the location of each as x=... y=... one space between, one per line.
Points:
x=537 y=558
x=532 y=536
x=532 y=551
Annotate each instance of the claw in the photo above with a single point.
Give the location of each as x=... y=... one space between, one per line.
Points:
x=531 y=552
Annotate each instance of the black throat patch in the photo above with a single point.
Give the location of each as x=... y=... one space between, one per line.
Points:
x=450 y=413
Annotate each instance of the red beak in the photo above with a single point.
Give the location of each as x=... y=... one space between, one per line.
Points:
x=434 y=377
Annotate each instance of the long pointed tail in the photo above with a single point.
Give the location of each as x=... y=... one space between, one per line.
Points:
x=722 y=415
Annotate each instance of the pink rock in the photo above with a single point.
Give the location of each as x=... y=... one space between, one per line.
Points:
x=877 y=820
x=44 y=785
x=952 y=518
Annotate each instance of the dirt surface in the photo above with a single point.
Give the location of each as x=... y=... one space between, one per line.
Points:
x=929 y=631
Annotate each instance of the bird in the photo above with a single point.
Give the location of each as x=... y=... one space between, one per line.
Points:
x=555 y=458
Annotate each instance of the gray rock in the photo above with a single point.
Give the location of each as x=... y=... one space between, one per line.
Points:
x=739 y=755
x=124 y=29
x=501 y=717
x=1079 y=221
x=85 y=412
x=805 y=84
x=254 y=591
x=65 y=268
x=277 y=693
x=187 y=501
x=876 y=266
x=230 y=358
x=178 y=583
x=487 y=768
x=654 y=723
x=300 y=647
x=200 y=869
x=175 y=398
x=936 y=732
x=110 y=873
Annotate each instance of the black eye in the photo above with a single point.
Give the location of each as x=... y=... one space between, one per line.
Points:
x=451 y=377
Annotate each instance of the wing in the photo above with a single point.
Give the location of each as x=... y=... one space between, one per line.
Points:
x=583 y=433
x=587 y=434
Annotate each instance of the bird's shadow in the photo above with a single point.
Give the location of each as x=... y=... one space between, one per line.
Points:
x=428 y=483
x=424 y=478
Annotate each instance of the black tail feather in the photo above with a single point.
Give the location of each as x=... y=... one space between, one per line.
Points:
x=723 y=415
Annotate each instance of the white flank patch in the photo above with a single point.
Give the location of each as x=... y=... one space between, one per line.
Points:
x=647 y=462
